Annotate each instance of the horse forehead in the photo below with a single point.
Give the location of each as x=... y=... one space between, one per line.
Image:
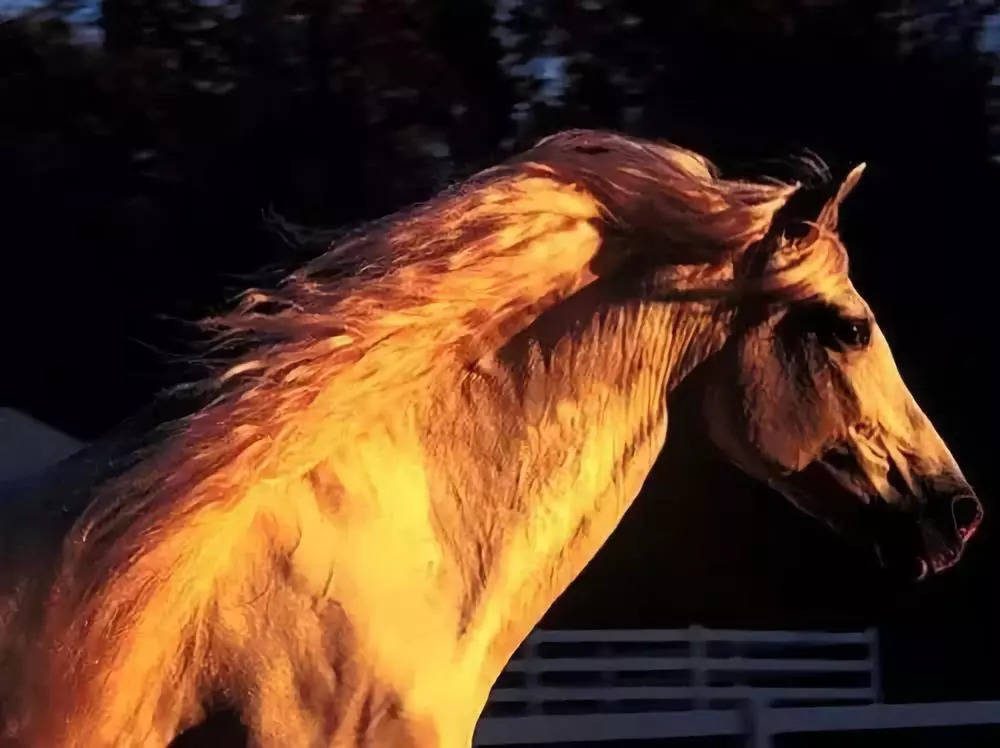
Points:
x=831 y=281
x=841 y=291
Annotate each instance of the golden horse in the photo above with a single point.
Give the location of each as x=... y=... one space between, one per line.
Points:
x=424 y=434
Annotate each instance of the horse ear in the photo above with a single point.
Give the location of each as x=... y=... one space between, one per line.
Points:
x=829 y=214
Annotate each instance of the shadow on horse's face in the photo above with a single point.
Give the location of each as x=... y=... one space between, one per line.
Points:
x=806 y=396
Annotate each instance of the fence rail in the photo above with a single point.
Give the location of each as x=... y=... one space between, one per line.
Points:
x=605 y=685
x=696 y=665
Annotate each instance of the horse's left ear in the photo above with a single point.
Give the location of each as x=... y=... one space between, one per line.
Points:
x=829 y=214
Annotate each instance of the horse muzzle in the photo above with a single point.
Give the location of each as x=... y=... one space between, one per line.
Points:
x=930 y=539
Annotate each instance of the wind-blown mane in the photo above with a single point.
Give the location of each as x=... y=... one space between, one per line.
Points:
x=353 y=339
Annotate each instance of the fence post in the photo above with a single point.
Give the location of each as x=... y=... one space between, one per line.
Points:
x=607 y=678
x=699 y=665
x=532 y=666
x=875 y=657
x=758 y=727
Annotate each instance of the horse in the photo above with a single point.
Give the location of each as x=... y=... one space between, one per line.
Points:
x=413 y=443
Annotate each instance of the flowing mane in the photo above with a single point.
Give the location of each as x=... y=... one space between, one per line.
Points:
x=380 y=314
x=343 y=345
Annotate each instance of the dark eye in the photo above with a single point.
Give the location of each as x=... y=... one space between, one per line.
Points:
x=836 y=330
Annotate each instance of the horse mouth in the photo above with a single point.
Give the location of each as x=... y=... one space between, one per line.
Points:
x=903 y=560
x=911 y=567
x=913 y=540
x=920 y=547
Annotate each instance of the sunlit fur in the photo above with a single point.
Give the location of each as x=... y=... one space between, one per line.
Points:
x=421 y=437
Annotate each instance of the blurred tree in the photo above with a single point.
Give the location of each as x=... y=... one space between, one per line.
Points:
x=160 y=147
x=755 y=78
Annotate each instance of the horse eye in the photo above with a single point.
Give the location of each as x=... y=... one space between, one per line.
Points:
x=854 y=333
x=838 y=332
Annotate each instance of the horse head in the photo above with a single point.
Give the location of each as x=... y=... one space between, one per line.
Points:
x=806 y=395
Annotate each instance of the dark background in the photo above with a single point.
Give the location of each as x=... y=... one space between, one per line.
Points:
x=143 y=142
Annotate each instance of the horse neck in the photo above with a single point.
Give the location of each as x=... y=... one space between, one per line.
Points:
x=557 y=437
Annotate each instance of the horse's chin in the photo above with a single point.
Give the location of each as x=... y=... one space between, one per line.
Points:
x=907 y=549
x=914 y=551
x=905 y=568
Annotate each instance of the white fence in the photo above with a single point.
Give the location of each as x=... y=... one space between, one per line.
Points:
x=584 y=686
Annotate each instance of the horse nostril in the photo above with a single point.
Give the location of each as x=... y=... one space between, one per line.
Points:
x=967 y=513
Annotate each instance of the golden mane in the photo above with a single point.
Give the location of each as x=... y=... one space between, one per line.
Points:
x=353 y=338
x=385 y=311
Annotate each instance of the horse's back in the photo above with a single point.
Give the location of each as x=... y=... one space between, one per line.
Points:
x=36 y=513
x=52 y=500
